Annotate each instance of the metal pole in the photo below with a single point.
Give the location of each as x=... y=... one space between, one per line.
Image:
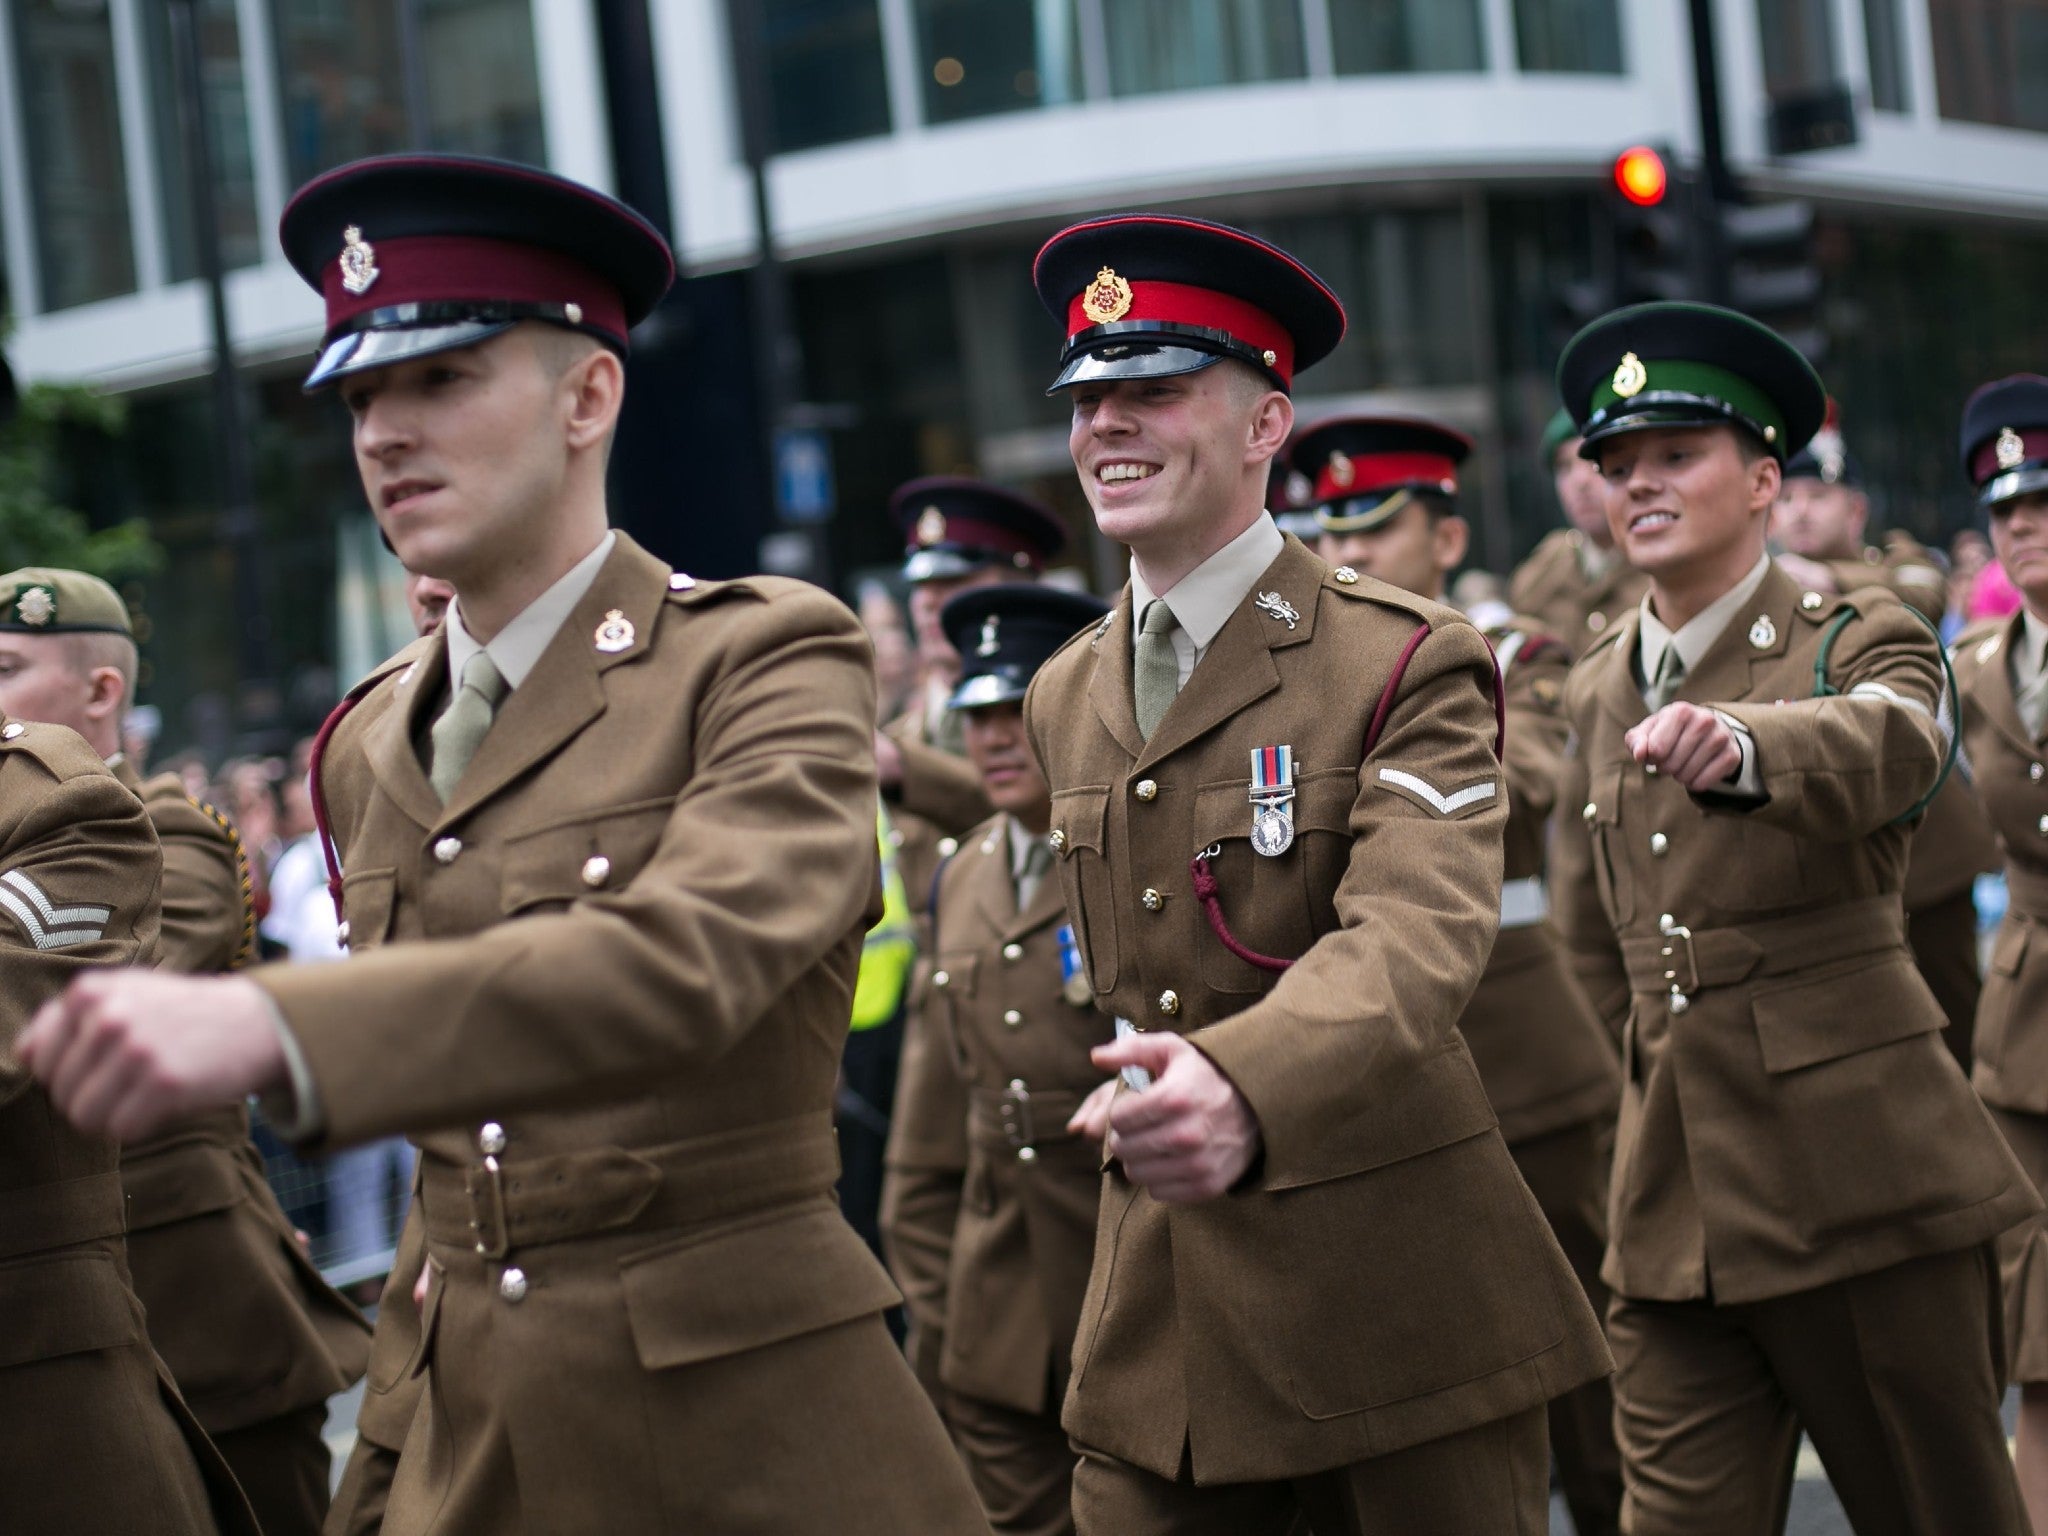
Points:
x=259 y=703
x=778 y=356
x=1716 y=187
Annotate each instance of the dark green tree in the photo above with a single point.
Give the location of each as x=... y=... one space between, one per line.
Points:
x=36 y=527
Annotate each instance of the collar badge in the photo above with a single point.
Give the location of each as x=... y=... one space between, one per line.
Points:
x=1107 y=298
x=1630 y=376
x=358 y=261
x=2010 y=450
x=1275 y=606
x=615 y=633
x=1763 y=634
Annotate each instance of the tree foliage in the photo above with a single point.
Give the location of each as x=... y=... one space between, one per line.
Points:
x=36 y=527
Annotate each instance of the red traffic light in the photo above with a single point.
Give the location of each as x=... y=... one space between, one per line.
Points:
x=1639 y=176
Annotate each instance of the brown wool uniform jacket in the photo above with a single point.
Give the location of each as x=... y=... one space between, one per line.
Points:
x=1382 y=1276
x=606 y=987
x=1790 y=1116
x=93 y=1436
x=1541 y=1051
x=1005 y=1253
x=237 y=1311
x=1551 y=587
x=2012 y=776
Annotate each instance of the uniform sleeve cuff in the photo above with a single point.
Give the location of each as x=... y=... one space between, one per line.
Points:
x=1744 y=788
x=295 y=1113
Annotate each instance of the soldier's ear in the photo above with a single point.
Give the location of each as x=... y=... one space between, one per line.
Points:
x=1766 y=479
x=598 y=389
x=1271 y=425
x=1453 y=537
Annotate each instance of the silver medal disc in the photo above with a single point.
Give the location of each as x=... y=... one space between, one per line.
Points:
x=1272 y=832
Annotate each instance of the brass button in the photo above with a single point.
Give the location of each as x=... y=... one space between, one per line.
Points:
x=942 y=978
x=447 y=850
x=512 y=1284
x=14 y=731
x=1650 y=770
x=1590 y=812
x=1057 y=841
x=1659 y=845
x=1152 y=900
x=341 y=933
x=1345 y=575
x=490 y=1139
x=1811 y=601
x=2034 y=772
x=1679 y=1001
x=1013 y=1018
x=1169 y=1002
x=1013 y=952
x=948 y=846
x=596 y=870
x=1596 y=622
x=1147 y=790
x=1027 y=1154
x=2044 y=826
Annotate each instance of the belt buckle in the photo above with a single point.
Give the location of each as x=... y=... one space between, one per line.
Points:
x=1682 y=988
x=1015 y=1109
x=497 y=1242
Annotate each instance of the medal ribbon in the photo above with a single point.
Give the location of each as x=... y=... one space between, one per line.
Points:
x=1272 y=775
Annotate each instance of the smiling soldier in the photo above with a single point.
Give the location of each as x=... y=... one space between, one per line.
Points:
x=609 y=840
x=1319 y=1286
x=1804 y=1189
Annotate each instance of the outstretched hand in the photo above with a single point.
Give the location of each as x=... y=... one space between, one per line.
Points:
x=1190 y=1136
x=1693 y=745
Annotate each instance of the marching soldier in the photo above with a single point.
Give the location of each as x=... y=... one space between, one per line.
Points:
x=1010 y=1238
x=2002 y=676
x=1285 y=1317
x=609 y=849
x=1818 y=525
x=1575 y=582
x=1804 y=1189
x=256 y=1340
x=1386 y=491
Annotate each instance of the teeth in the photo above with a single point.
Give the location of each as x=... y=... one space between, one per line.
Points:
x=1111 y=473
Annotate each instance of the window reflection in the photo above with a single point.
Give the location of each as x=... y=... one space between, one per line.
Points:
x=227 y=121
x=1887 y=55
x=825 y=76
x=482 y=83
x=1182 y=45
x=78 y=177
x=340 y=81
x=1568 y=36
x=1374 y=37
x=985 y=56
x=1799 y=45
x=1991 y=61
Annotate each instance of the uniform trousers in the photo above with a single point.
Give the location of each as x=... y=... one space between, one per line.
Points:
x=1567 y=1172
x=1492 y=1480
x=1895 y=1376
x=283 y=1465
x=1944 y=942
x=1022 y=1465
x=358 y=1507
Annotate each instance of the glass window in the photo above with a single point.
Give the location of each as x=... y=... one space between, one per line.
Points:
x=227 y=120
x=984 y=56
x=1799 y=45
x=1887 y=56
x=78 y=177
x=1183 y=45
x=825 y=77
x=340 y=79
x=1379 y=37
x=482 y=84
x=1991 y=61
x=1578 y=37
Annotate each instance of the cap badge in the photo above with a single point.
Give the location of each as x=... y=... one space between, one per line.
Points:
x=989 y=644
x=931 y=526
x=1763 y=634
x=1107 y=298
x=1275 y=606
x=358 y=261
x=615 y=633
x=1630 y=376
x=1342 y=470
x=35 y=606
x=2010 y=450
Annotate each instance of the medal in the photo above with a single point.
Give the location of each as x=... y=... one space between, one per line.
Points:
x=1272 y=797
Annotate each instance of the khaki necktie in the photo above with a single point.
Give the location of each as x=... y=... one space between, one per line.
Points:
x=1155 y=673
x=1037 y=865
x=1670 y=673
x=460 y=729
x=2031 y=698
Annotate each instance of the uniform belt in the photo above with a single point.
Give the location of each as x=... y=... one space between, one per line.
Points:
x=522 y=1202
x=1682 y=960
x=1524 y=902
x=2028 y=890
x=1019 y=1116
x=46 y=1216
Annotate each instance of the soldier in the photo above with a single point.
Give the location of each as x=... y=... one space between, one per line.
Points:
x=1286 y=1316
x=1386 y=491
x=1804 y=1188
x=1575 y=582
x=609 y=849
x=256 y=1340
x=2002 y=679
x=1009 y=1239
x=1818 y=525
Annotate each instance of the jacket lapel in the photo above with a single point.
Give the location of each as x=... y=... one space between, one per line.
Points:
x=1110 y=687
x=388 y=744
x=1990 y=687
x=1048 y=905
x=1619 y=693
x=1728 y=672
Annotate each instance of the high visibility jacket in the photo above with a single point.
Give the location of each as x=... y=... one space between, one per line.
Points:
x=890 y=948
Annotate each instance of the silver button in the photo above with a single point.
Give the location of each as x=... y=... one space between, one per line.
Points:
x=490 y=1138
x=1590 y=812
x=1650 y=769
x=942 y=978
x=1596 y=622
x=1679 y=1001
x=2044 y=826
x=1169 y=1002
x=1013 y=1018
x=1147 y=790
x=596 y=870
x=1057 y=841
x=1027 y=1154
x=1659 y=845
x=948 y=846
x=2034 y=772
x=512 y=1284
x=447 y=849
x=1811 y=601
x=1345 y=575
x=1013 y=952
x=14 y=731
x=895 y=837
x=678 y=582
x=1152 y=900
x=341 y=933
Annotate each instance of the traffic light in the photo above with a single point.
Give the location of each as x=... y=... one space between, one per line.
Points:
x=1653 y=259
x=1767 y=253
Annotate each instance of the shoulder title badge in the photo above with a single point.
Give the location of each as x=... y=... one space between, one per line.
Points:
x=1630 y=376
x=2010 y=450
x=358 y=261
x=1107 y=298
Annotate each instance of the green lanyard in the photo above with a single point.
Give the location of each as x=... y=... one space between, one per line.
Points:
x=1823 y=689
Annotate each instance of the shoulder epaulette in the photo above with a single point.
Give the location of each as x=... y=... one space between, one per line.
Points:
x=245 y=950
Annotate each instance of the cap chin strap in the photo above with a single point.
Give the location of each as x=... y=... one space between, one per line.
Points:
x=1366 y=521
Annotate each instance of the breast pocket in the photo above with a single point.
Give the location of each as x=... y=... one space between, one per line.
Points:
x=1079 y=817
x=582 y=855
x=367 y=900
x=1274 y=905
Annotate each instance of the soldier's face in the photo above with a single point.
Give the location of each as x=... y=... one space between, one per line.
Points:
x=1680 y=497
x=1818 y=520
x=928 y=597
x=462 y=455
x=1001 y=754
x=1581 y=493
x=2019 y=537
x=39 y=682
x=1411 y=550
x=1166 y=459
